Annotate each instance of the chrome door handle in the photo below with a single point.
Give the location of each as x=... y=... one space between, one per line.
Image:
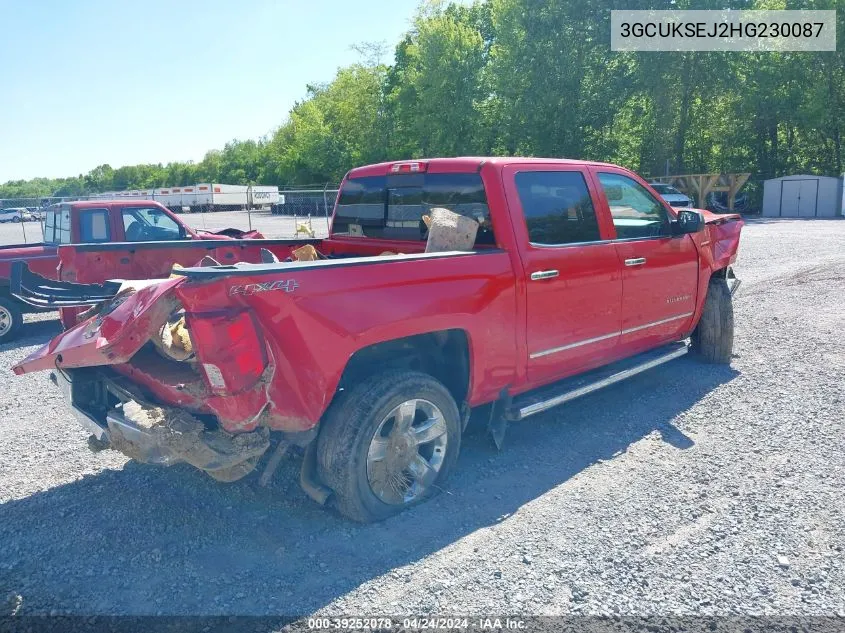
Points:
x=637 y=261
x=544 y=274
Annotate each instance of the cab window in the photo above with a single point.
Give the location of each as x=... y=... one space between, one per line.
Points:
x=392 y=207
x=50 y=225
x=150 y=224
x=557 y=207
x=94 y=226
x=636 y=213
x=57 y=225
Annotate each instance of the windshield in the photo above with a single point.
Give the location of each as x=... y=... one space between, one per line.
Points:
x=392 y=207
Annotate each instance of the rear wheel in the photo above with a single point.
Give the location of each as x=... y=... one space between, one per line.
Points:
x=388 y=443
x=11 y=319
x=713 y=338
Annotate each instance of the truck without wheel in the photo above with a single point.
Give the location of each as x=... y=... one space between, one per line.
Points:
x=97 y=223
x=373 y=355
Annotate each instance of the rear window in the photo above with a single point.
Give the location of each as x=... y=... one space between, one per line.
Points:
x=49 y=223
x=392 y=207
x=57 y=225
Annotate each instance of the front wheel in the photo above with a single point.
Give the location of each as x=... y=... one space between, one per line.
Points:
x=11 y=319
x=713 y=338
x=388 y=443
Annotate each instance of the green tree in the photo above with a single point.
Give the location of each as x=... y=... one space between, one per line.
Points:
x=534 y=77
x=339 y=125
x=435 y=86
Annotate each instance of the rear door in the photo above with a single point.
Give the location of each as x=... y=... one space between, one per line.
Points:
x=574 y=287
x=659 y=271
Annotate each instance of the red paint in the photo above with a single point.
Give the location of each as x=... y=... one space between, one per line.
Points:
x=280 y=352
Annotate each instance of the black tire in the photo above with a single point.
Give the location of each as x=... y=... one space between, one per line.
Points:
x=11 y=319
x=349 y=427
x=713 y=338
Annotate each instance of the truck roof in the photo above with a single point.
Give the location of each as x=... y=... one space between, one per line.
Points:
x=461 y=164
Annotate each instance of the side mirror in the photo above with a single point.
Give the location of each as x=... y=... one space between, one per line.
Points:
x=689 y=221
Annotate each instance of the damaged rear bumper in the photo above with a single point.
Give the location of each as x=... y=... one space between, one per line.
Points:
x=157 y=435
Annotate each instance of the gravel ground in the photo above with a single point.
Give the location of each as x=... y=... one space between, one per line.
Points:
x=690 y=489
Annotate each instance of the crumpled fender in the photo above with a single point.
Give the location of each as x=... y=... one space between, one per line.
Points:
x=114 y=333
x=717 y=246
x=719 y=241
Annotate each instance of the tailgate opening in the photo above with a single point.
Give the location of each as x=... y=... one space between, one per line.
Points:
x=120 y=417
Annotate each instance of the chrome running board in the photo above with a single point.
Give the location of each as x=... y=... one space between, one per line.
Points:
x=551 y=396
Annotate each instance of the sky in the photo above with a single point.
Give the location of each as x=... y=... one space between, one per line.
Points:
x=89 y=82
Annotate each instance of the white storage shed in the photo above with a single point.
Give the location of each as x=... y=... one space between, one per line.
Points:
x=802 y=197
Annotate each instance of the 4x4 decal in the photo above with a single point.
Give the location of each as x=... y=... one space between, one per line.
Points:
x=287 y=285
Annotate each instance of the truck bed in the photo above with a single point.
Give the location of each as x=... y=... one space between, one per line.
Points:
x=302 y=322
x=41 y=258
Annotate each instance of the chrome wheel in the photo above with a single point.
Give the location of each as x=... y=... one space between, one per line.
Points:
x=406 y=452
x=6 y=321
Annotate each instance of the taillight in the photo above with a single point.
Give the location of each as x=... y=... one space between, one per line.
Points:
x=230 y=350
x=408 y=168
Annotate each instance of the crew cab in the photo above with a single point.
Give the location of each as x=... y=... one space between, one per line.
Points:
x=373 y=356
x=93 y=222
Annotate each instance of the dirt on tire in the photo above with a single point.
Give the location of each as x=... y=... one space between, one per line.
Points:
x=350 y=423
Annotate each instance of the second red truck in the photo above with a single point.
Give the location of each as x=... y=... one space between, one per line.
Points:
x=97 y=222
x=373 y=356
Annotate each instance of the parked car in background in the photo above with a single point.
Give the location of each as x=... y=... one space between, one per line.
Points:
x=37 y=213
x=671 y=195
x=717 y=201
x=16 y=214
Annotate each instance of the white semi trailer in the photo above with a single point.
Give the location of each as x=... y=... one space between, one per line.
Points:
x=203 y=197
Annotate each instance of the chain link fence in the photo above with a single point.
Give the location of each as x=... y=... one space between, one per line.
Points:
x=306 y=202
x=21 y=220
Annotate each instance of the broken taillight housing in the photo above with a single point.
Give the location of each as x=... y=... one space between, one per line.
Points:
x=230 y=350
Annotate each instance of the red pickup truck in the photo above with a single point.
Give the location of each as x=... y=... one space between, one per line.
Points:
x=92 y=222
x=579 y=276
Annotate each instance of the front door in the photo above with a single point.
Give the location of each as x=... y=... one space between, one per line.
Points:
x=807 y=198
x=659 y=271
x=574 y=289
